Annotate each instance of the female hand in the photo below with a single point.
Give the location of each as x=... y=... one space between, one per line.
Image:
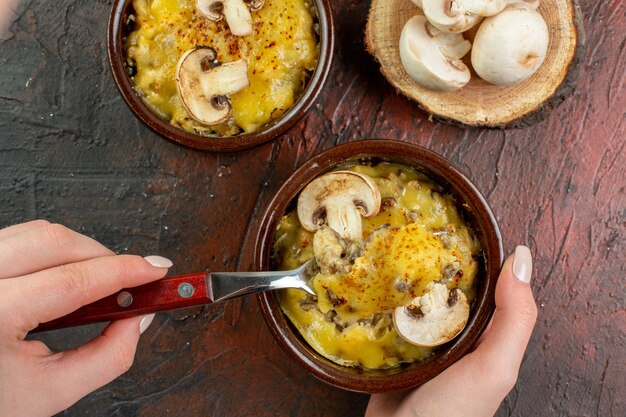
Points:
x=476 y=385
x=48 y=271
x=7 y=14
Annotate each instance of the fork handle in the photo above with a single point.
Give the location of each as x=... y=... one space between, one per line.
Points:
x=166 y=294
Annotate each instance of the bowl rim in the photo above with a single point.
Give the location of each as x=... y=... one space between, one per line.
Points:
x=482 y=220
x=272 y=130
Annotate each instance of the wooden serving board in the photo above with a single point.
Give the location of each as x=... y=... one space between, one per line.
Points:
x=480 y=103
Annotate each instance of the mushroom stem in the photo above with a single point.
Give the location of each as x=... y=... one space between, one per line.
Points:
x=238 y=17
x=346 y=220
x=232 y=77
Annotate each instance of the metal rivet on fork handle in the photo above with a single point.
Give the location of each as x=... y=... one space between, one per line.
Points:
x=185 y=290
x=124 y=299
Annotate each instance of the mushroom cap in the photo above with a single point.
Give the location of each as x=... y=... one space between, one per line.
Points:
x=532 y=3
x=482 y=7
x=434 y=318
x=339 y=199
x=236 y=12
x=511 y=46
x=203 y=84
x=448 y=16
x=432 y=58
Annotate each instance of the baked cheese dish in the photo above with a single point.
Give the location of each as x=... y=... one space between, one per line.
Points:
x=281 y=52
x=416 y=240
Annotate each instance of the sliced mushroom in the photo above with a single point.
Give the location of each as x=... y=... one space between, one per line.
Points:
x=510 y=46
x=236 y=12
x=339 y=199
x=434 y=318
x=482 y=7
x=418 y=3
x=433 y=58
x=204 y=84
x=255 y=5
x=448 y=16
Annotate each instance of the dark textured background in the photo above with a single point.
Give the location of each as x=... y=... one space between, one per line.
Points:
x=72 y=152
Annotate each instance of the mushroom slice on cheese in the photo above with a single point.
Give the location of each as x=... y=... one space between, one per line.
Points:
x=339 y=199
x=434 y=318
x=204 y=84
x=236 y=12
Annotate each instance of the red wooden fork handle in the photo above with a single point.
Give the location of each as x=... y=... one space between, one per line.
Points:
x=165 y=294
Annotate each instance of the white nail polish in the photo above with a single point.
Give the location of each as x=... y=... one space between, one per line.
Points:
x=145 y=323
x=158 y=261
x=523 y=264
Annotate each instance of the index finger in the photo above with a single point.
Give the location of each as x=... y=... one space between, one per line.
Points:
x=50 y=294
x=22 y=227
x=49 y=245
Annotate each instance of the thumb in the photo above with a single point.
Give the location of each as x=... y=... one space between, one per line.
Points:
x=476 y=384
x=503 y=348
x=99 y=361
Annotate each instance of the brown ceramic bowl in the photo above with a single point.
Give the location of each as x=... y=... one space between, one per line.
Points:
x=477 y=213
x=116 y=37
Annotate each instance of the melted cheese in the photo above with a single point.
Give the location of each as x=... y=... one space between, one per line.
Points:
x=408 y=257
x=281 y=52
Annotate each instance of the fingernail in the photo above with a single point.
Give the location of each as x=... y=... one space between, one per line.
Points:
x=145 y=323
x=158 y=261
x=523 y=264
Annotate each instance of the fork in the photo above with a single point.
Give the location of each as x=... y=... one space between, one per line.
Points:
x=182 y=291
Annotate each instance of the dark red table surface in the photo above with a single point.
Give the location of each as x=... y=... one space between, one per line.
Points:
x=72 y=152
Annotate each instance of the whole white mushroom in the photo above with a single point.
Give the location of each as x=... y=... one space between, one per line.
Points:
x=511 y=46
x=433 y=58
